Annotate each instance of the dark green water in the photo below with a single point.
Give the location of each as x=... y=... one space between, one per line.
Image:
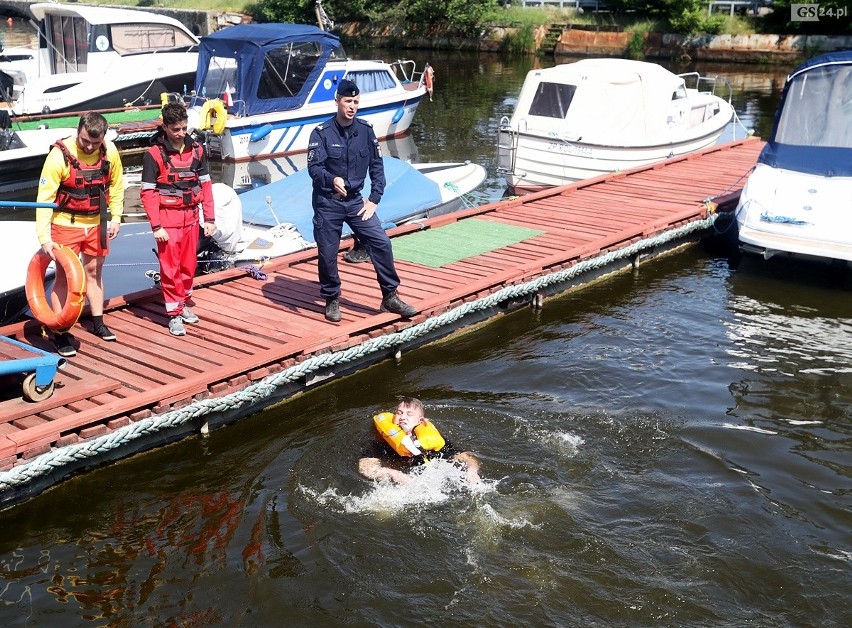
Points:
x=669 y=447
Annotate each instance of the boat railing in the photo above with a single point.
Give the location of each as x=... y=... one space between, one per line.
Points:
x=707 y=84
x=407 y=68
x=507 y=144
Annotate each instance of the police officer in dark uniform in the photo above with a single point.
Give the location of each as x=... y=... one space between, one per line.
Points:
x=340 y=153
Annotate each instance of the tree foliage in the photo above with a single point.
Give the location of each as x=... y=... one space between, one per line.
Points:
x=467 y=17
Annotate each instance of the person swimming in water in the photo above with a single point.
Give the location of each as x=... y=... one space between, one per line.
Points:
x=407 y=439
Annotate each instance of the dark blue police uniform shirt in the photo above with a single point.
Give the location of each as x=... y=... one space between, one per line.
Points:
x=335 y=151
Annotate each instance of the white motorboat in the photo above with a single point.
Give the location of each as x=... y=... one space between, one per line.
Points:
x=796 y=201
x=596 y=116
x=270 y=85
x=97 y=58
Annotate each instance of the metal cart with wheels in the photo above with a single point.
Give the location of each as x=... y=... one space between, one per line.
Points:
x=38 y=366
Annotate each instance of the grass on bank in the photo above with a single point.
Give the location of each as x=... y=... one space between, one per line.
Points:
x=231 y=6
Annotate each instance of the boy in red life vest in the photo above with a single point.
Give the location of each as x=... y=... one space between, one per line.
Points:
x=83 y=176
x=175 y=180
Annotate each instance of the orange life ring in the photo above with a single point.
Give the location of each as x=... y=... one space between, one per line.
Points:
x=428 y=78
x=75 y=277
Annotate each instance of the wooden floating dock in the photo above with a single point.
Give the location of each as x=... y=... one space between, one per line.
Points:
x=261 y=341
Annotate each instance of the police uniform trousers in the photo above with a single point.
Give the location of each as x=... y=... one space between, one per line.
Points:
x=329 y=216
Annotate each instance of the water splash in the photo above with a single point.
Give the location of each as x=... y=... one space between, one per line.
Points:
x=435 y=483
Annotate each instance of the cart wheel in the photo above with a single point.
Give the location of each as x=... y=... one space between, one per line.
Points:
x=32 y=392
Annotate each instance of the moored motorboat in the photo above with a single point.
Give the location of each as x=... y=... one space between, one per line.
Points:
x=95 y=58
x=273 y=83
x=796 y=201
x=595 y=116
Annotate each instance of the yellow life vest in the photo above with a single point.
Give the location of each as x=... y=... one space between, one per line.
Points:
x=426 y=436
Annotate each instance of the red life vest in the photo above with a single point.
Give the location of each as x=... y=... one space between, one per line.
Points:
x=81 y=192
x=178 y=180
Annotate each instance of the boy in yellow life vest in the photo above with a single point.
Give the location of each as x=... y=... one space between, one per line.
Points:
x=406 y=439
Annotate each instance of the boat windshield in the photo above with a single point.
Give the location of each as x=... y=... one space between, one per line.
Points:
x=286 y=69
x=817 y=109
x=283 y=75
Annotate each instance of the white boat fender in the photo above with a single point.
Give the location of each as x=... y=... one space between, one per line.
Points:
x=193 y=115
x=260 y=132
x=229 y=217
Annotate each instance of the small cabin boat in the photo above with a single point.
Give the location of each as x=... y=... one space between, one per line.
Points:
x=595 y=116
x=796 y=201
x=275 y=83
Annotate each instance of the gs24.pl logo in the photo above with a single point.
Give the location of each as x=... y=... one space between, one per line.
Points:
x=815 y=12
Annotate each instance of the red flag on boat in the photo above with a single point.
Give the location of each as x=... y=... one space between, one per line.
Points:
x=226 y=96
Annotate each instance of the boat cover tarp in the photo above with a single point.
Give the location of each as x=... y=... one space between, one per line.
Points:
x=249 y=45
x=812 y=130
x=617 y=101
x=408 y=193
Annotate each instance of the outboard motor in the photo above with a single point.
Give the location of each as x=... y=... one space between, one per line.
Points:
x=8 y=138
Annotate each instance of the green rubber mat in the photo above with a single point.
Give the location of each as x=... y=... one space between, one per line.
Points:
x=457 y=241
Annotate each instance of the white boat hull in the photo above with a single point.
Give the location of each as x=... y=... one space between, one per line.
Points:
x=137 y=82
x=544 y=162
x=287 y=133
x=789 y=213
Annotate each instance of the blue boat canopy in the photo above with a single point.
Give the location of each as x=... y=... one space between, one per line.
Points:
x=812 y=130
x=264 y=67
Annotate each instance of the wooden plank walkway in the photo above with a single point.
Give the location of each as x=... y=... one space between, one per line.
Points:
x=251 y=329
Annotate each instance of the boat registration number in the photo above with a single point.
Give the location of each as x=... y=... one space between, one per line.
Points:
x=569 y=149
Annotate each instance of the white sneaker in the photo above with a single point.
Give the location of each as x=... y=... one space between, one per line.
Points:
x=188 y=316
x=176 y=327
